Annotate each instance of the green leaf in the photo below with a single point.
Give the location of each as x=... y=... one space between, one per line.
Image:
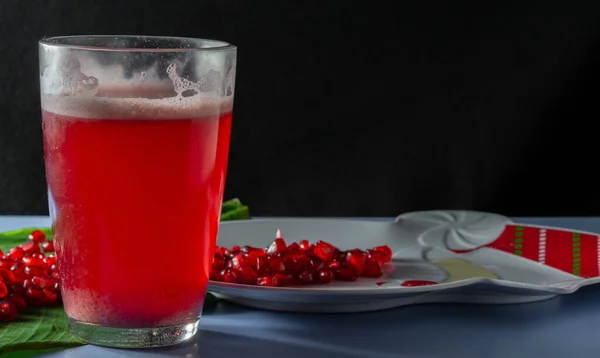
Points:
x=35 y=329
x=42 y=330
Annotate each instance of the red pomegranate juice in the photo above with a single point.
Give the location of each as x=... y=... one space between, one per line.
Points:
x=135 y=204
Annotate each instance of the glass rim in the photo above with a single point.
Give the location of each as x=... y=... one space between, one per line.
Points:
x=60 y=41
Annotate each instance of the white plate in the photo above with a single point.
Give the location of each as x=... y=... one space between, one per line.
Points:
x=454 y=248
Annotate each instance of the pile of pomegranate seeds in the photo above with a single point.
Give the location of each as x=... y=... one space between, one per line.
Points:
x=299 y=263
x=28 y=277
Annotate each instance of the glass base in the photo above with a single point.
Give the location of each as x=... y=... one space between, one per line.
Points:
x=133 y=337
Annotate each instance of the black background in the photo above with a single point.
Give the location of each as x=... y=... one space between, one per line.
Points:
x=358 y=108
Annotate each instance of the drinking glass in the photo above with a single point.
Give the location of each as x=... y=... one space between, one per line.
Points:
x=136 y=139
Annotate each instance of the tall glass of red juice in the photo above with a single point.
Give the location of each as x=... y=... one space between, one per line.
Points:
x=136 y=138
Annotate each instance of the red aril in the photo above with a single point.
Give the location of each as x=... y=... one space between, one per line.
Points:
x=356 y=259
x=275 y=263
x=324 y=275
x=8 y=311
x=3 y=289
x=7 y=263
x=31 y=247
x=37 y=236
x=346 y=274
x=416 y=283
x=372 y=269
x=32 y=261
x=305 y=277
x=31 y=271
x=304 y=245
x=48 y=246
x=16 y=253
x=283 y=279
x=50 y=261
x=218 y=262
x=238 y=261
x=375 y=255
x=385 y=251
x=50 y=296
x=7 y=276
x=276 y=247
x=247 y=275
x=324 y=250
x=229 y=275
x=17 y=301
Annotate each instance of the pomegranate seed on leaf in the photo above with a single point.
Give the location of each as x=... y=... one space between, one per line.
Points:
x=3 y=289
x=50 y=296
x=31 y=247
x=8 y=311
x=37 y=236
x=7 y=276
x=7 y=263
x=17 y=301
x=16 y=253
x=48 y=246
x=32 y=261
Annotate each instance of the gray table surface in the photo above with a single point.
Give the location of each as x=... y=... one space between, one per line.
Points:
x=566 y=326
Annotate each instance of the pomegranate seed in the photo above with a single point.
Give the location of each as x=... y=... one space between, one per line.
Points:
x=50 y=296
x=55 y=275
x=229 y=275
x=40 y=282
x=8 y=311
x=277 y=246
x=37 y=236
x=305 y=277
x=415 y=283
x=48 y=246
x=334 y=265
x=324 y=250
x=372 y=269
x=17 y=301
x=7 y=263
x=375 y=255
x=238 y=261
x=385 y=251
x=18 y=290
x=356 y=259
x=324 y=275
x=34 y=296
x=270 y=281
x=294 y=248
x=16 y=253
x=294 y=262
x=215 y=275
x=31 y=271
x=57 y=287
x=218 y=262
x=247 y=275
x=7 y=276
x=27 y=283
x=262 y=266
x=1 y=253
x=276 y=264
x=31 y=247
x=278 y=234
x=226 y=253
x=50 y=261
x=283 y=279
x=32 y=261
x=236 y=248
x=3 y=289
x=304 y=245
x=313 y=264
x=346 y=274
